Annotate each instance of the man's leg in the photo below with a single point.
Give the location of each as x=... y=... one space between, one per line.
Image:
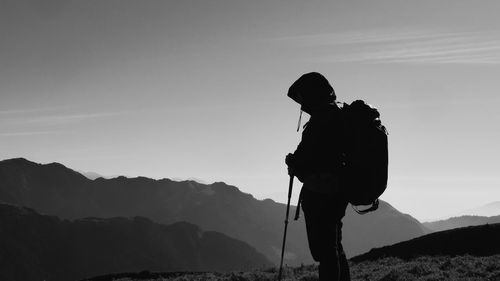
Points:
x=329 y=266
x=343 y=264
x=322 y=235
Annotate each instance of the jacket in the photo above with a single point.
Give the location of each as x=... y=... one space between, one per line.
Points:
x=320 y=150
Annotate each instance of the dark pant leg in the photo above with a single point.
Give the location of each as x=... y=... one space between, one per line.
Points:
x=329 y=263
x=345 y=275
x=323 y=216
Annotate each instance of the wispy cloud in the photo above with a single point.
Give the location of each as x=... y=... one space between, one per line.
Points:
x=28 y=133
x=403 y=46
x=363 y=37
x=46 y=118
x=68 y=118
x=25 y=111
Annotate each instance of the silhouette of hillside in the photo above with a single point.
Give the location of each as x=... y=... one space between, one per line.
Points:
x=57 y=190
x=40 y=247
x=426 y=268
x=473 y=240
x=458 y=222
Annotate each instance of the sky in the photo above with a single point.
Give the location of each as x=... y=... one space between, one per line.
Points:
x=197 y=89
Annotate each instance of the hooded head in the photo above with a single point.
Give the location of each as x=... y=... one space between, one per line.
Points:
x=311 y=90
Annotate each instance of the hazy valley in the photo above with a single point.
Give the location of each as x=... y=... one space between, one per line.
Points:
x=135 y=224
x=56 y=190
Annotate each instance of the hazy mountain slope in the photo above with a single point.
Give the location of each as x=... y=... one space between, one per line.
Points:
x=473 y=240
x=488 y=210
x=462 y=221
x=92 y=175
x=40 y=247
x=216 y=207
x=56 y=190
x=385 y=226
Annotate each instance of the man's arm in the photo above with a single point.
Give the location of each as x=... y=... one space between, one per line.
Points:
x=299 y=162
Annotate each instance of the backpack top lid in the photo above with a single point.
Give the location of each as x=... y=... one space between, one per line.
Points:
x=311 y=89
x=359 y=114
x=362 y=113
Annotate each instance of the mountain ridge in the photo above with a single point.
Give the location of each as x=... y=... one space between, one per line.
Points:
x=479 y=240
x=36 y=247
x=458 y=222
x=60 y=191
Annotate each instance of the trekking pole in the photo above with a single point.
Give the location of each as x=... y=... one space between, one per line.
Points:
x=286 y=225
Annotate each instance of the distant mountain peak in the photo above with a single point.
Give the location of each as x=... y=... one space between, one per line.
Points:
x=91 y=175
x=495 y=204
x=193 y=179
x=18 y=160
x=57 y=165
x=487 y=210
x=24 y=161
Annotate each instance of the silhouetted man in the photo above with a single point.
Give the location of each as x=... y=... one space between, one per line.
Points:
x=317 y=163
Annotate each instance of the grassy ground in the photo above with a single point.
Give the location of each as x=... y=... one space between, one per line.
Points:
x=462 y=268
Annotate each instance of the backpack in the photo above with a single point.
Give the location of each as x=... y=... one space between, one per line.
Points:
x=365 y=163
